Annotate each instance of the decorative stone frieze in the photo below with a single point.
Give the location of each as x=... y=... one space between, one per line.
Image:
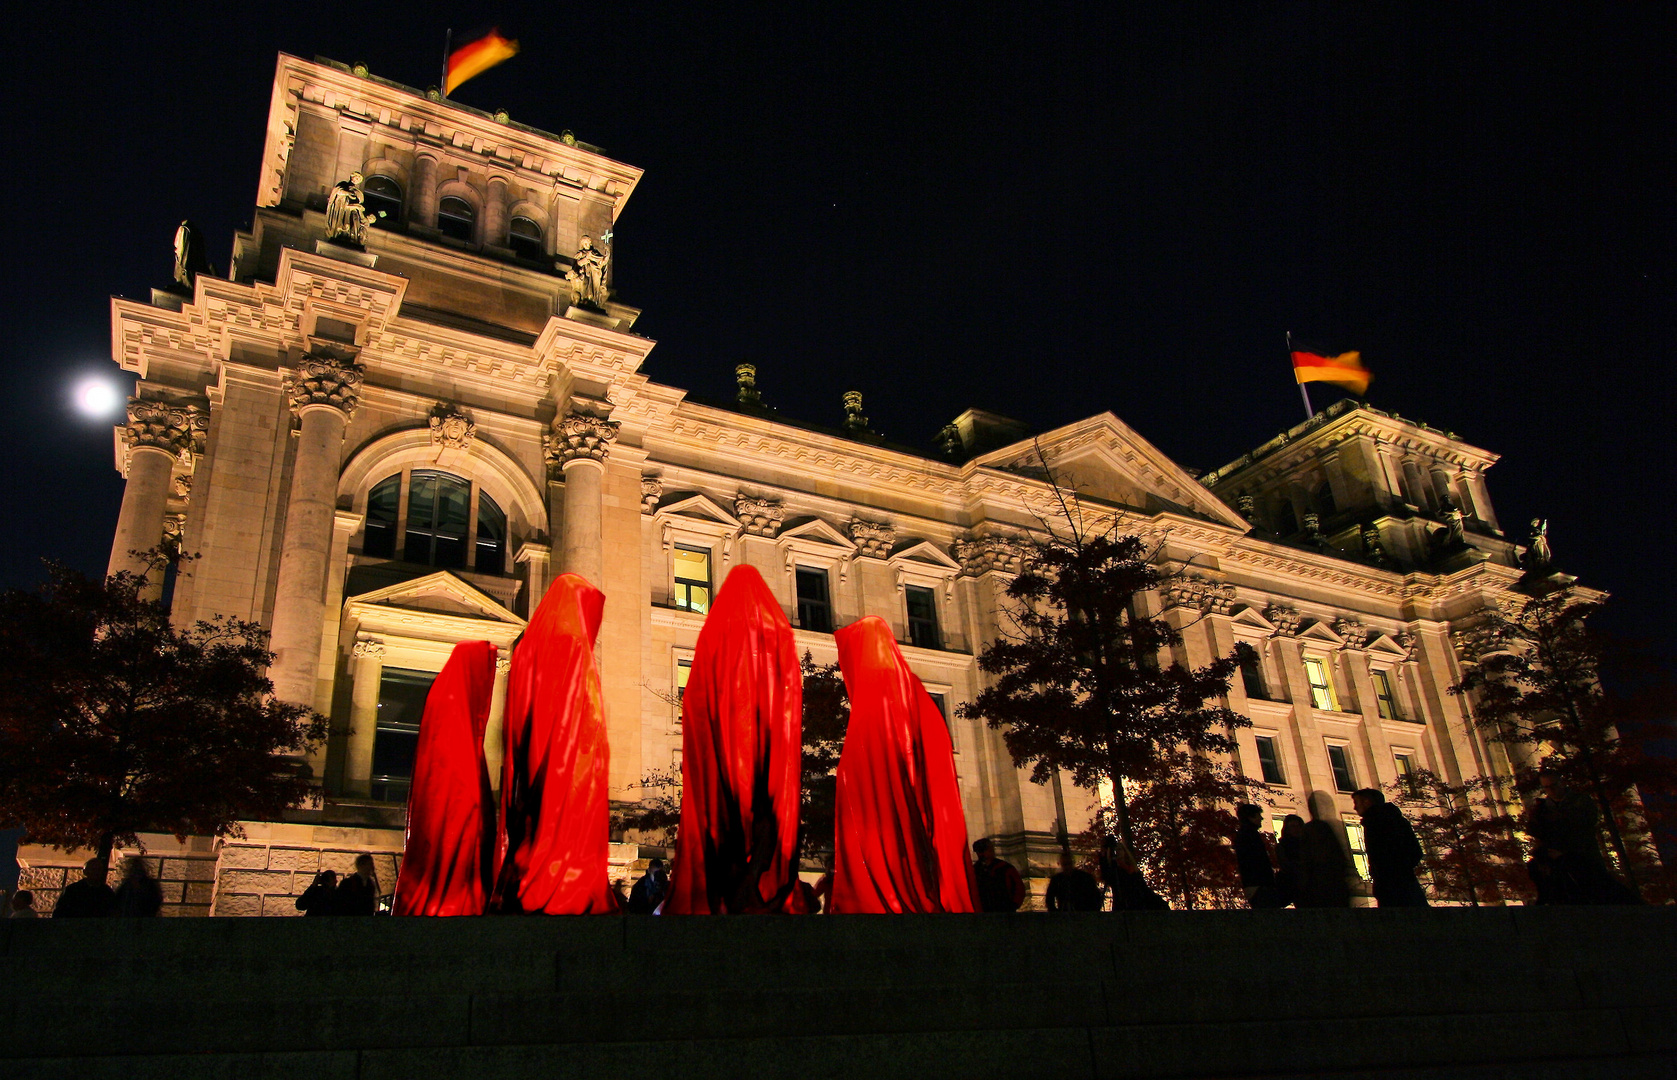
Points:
x=581 y=435
x=1286 y=620
x=989 y=553
x=1353 y=631
x=159 y=425
x=324 y=379
x=452 y=428
x=1201 y=593
x=761 y=517
x=1475 y=642
x=652 y=489
x=872 y=538
x=364 y=649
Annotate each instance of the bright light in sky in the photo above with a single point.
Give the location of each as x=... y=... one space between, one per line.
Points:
x=97 y=397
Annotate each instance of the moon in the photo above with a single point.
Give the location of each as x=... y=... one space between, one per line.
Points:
x=97 y=397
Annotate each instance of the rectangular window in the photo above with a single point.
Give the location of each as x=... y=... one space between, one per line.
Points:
x=922 y=618
x=1321 y=687
x=1406 y=769
x=942 y=707
x=1252 y=676
x=1359 y=846
x=1269 y=759
x=692 y=578
x=401 y=702
x=1383 y=696
x=683 y=669
x=1339 y=760
x=815 y=607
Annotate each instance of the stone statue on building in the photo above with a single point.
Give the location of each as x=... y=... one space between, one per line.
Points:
x=587 y=275
x=1538 y=555
x=347 y=216
x=190 y=260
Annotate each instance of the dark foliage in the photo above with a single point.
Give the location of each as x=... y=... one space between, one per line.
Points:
x=114 y=721
x=1473 y=854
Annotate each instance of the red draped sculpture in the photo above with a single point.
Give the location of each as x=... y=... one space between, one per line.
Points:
x=742 y=759
x=899 y=836
x=450 y=845
x=553 y=835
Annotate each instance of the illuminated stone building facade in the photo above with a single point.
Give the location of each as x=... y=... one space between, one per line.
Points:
x=380 y=450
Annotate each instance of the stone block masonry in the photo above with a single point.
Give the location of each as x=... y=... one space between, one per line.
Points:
x=185 y=870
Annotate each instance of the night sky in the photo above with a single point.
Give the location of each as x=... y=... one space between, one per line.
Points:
x=1045 y=215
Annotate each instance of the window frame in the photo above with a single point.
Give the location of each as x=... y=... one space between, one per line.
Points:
x=529 y=247
x=433 y=533
x=1348 y=784
x=1274 y=741
x=395 y=217
x=470 y=220
x=1325 y=691
x=822 y=606
x=1385 y=704
x=909 y=620
x=681 y=599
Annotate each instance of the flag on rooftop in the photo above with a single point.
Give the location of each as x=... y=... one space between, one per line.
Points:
x=1345 y=369
x=477 y=57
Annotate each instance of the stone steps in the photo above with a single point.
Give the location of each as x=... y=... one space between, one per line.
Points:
x=1504 y=993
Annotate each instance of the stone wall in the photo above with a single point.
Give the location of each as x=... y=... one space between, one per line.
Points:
x=263 y=872
x=186 y=870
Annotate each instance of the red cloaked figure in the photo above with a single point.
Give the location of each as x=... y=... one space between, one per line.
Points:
x=450 y=846
x=899 y=836
x=551 y=849
x=741 y=759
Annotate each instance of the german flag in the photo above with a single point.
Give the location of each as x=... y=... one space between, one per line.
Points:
x=476 y=58
x=1346 y=370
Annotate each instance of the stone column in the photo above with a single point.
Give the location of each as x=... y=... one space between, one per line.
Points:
x=155 y=434
x=423 y=198
x=495 y=212
x=324 y=391
x=363 y=717
x=494 y=734
x=578 y=445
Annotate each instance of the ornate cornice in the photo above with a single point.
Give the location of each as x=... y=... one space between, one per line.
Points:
x=1354 y=633
x=1201 y=593
x=580 y=436
x=1286 y=620
x=368 y=649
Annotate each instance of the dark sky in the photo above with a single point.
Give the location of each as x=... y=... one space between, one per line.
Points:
x=1042 y=214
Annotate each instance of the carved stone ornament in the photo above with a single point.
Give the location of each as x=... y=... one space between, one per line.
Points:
x=347 y=216
x=1247 y=504
x=1407 y=642
x=1201 y=593
x=503 y=664
x=321 y=379
x=160 y=426
x=452 y=428
x=579 y=435
x=761 y=517
x=1373 y=550
x=873 y=538
x=587 y=275
x=174 y=531
x=1285 y=619
x=652 y=489
x=1475 y=643
x=989 y=553
x=183 y=486
x=1353 y=631
x=364 y=649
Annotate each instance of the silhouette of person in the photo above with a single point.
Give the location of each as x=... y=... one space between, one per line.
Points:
x=317 y=899
x=88 y=898
x=1000 y=888
x=358 y=893
x=139 y=895
x=1393 y=851
x=1074 y=888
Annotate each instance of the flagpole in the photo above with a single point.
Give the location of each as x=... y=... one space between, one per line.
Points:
x=448 y=42
x=1304 y=391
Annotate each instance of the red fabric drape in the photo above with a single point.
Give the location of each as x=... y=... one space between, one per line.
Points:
x=742 y=758
x=551 y=844
x=900 y=838
x=451 y=815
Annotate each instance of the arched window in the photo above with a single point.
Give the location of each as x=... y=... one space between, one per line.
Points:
x=438 y=518
x=491 y=536
x=383 y=193
x=379 y=541
x=455 y=218
x=525 y=237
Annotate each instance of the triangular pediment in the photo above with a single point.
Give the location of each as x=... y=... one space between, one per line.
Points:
x=1104 y=459
x=1385 y=645
x=1320 y=631
x=924 y=553
x=701 y=507
x=1249 y=616
x=817 y=531
x=441 y=593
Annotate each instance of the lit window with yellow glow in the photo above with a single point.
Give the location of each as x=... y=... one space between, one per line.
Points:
x=692 y=579
x=1321 y=687
x=683 y=668
x=1359 y=846
x=1383 y=695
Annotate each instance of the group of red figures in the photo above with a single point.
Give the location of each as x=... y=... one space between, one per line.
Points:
x=900 y=839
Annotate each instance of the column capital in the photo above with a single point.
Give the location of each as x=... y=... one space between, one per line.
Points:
x=369 y=649
x=325 y=379
x=158 y=425
x=579 y=436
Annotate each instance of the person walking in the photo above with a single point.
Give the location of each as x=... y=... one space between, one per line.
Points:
x=1000 y=888
x=139 y=895
x=89 y=898
x=1393 y=851
x=649 y=891
x=1324 y=878
x=1130 y=891
x=1289 y=859
x=1253 y=856
x=1074 y=888
x=317 y=899
x=358 y=893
